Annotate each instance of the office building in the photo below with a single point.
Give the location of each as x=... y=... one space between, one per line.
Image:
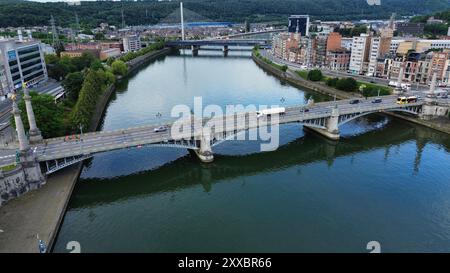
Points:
x=299 y=24
x=21 y=61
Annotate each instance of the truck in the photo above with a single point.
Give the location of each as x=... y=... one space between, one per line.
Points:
x=270 y=111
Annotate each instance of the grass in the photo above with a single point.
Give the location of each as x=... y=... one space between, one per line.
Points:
x=8 y=168
x=302 y=73
x=384 y=90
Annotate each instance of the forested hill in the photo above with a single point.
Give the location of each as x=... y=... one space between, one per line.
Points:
x=25 y=13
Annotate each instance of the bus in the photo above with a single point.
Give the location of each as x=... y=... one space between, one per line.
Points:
x=405 y=100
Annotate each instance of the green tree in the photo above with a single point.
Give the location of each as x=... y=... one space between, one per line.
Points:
x=119 y=68
x=347 y=84
x=315 y=75
x=332 y=81
x=94 y=85
x=48 y=114
x=72 y=85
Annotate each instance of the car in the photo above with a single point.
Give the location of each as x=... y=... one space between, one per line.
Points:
x=377 y=100
x=355 y=101
x=160 y=129
x=304 y=110
x=445 y=96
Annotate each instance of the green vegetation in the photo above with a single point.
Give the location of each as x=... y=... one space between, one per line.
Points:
x=59 y=68
x=315 y=75
x=49 y=115
x=92 y=13
x=434 y=30
x=351 y=32
x=351 y=85
x=345 y=84
x=283 y=68
x=119 y=68
x=131 y=55
x=72 y=85
x=371 y=90
x=8 y=167
x=95 y=83
x=302 y=73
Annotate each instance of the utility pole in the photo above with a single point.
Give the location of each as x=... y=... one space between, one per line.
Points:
x=182 y=21
x=55 y=37
x=123 y=20
x=77 y=25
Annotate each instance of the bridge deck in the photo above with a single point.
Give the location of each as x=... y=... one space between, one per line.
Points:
x=96 y=142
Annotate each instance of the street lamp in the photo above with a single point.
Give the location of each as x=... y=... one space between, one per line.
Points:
x=81 y=139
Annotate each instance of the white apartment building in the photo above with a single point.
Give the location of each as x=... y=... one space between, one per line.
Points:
x=347 y=43
x=373 y=56
x=360 y=53
x=131 y=43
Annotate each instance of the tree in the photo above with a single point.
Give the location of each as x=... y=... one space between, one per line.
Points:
x=332 y=81
x=315 y=75
x=94 y=84
x=72 y=85
x=119 y=68
x=347 y=84
x=48 y=115
x=96 y=64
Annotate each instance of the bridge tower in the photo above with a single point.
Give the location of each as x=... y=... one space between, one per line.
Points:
x=27 y=160
x=23 y=141
x=431 y=108
x=182 y=21
x=398 y=88
x=34 y=133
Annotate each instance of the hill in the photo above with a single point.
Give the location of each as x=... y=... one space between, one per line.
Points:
x=26 y=13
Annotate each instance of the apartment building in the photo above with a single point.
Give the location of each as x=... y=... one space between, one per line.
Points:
x=131 y=43
x=359 y=59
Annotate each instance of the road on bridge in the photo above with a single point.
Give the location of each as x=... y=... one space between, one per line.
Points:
x=97 y=142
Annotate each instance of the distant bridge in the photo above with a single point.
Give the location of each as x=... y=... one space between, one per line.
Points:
x=195 y=45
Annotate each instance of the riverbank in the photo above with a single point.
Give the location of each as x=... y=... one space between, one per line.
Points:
x=442 y=125
x=41 y=212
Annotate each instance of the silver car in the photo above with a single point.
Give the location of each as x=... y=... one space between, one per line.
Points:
x=160 y=129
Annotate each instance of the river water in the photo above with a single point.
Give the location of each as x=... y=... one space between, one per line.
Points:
x=386 y=180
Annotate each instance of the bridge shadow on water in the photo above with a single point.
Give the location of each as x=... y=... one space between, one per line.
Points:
x=187 y=171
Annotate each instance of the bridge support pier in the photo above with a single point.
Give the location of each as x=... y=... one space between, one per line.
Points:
x=225 y=50
x=332 y=130
x=195 y=49
x=205 y=153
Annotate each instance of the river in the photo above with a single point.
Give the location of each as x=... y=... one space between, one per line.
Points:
x=386 y=180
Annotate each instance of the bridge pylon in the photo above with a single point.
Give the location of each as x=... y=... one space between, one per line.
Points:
x=431 y=108
x=34 y=133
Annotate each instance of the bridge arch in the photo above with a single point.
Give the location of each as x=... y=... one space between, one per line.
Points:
x=347 y=118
